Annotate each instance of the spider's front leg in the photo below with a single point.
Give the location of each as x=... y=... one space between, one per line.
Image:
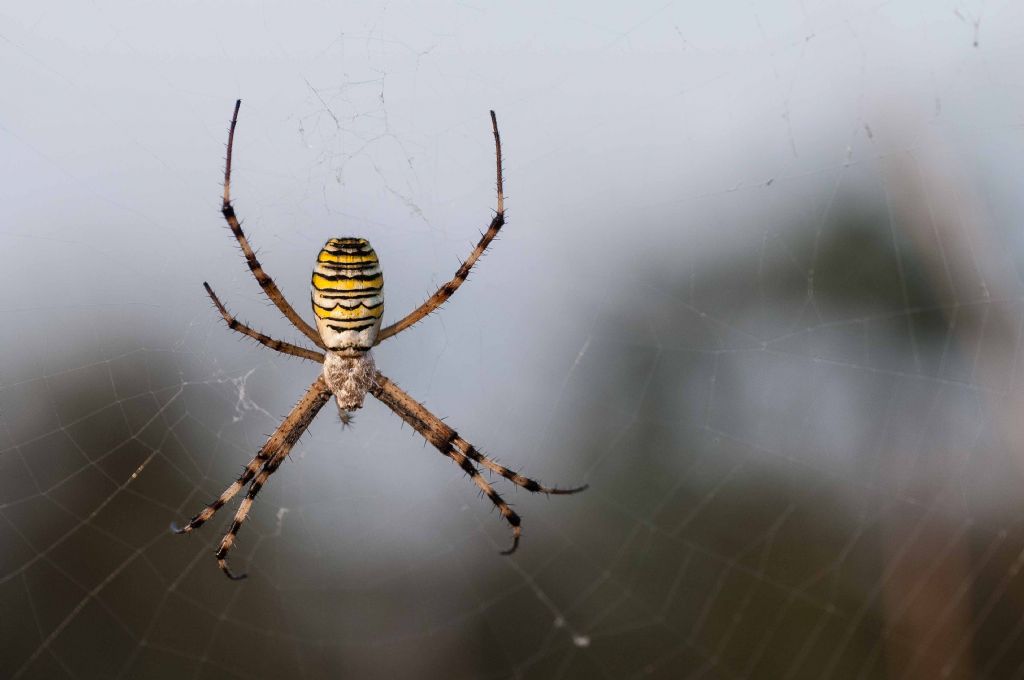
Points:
x=449 y=443
x=268 y=458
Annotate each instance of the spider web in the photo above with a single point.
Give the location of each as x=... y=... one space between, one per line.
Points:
x=759 y=288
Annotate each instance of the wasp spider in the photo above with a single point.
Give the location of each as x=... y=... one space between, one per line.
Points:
x=348 y=301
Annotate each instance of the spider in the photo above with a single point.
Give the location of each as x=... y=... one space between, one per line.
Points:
x=348 y=301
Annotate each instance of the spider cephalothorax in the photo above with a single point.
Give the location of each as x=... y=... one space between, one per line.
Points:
x=348 y=300
x=349 y=379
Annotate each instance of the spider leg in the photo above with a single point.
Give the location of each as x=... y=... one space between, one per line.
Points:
x=448 y=442
x=269 y=468
x=511 y=475
x=278 y=445
x=236 y=325
x=444 y=443
x=448 y=289
x=266 y=283
x=210 y=510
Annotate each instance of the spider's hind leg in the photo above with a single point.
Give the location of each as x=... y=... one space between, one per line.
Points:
x=462 y=273
x=270 y=288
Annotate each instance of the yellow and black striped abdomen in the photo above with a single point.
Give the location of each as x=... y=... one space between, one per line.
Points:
x=348 y=294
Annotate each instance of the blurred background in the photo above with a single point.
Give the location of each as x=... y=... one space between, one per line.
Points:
x=760 y=288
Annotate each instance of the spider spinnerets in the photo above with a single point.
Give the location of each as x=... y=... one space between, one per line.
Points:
x=348 y=302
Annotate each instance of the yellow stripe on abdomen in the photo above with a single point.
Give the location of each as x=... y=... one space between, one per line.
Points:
x=346 y=258
x=343 y=313
x=342 y=282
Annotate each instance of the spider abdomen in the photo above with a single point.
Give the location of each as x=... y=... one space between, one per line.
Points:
x=348 y=295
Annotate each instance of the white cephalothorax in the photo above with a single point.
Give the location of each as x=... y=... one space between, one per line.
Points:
x=350 y=378
x=348 y=300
